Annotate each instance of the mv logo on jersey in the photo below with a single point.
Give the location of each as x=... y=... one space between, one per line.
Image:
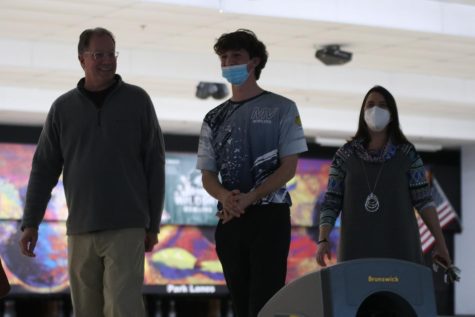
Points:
x=263 y=115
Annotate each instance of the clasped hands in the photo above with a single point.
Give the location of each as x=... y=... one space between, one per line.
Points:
x=234 y=205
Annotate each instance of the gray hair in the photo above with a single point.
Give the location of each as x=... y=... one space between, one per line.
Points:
x=87 y=34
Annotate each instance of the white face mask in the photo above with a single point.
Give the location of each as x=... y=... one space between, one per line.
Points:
x=377 y=118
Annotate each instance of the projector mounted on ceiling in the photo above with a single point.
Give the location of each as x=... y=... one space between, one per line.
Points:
x=333 y=55
x=208 y=89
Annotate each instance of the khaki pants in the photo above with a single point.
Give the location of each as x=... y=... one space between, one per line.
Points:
x=106 y=271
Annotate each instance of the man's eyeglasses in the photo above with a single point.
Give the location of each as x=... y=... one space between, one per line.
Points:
x=98 y=56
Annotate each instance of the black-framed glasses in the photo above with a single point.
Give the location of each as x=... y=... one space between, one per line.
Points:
x=98 y=56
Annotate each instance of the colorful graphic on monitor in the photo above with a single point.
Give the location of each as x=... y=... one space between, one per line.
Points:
x=185 y=254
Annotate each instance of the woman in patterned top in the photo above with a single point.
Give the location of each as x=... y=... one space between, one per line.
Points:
x=376 y=180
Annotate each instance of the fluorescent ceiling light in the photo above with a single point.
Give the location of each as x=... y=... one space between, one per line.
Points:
x=336 y=142
x=466 y=2
x=427 y=147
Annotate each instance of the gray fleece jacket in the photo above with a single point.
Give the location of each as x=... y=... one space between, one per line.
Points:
x=112 y=159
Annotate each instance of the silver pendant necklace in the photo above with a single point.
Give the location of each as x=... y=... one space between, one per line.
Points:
x=372 y=202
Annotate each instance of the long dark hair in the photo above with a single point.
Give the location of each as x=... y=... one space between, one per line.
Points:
x=393 y=130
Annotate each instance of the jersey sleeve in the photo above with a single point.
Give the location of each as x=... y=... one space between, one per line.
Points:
x=206 y=155
x=292 y=139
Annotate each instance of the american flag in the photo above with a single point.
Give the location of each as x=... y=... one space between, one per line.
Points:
x=445 y=211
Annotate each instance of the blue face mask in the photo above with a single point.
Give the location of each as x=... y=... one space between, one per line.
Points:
x=236 y=75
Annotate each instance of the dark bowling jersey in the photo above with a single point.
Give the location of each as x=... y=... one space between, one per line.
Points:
x=244 y=141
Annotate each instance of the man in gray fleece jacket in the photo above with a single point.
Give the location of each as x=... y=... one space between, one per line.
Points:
x=105 y=138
